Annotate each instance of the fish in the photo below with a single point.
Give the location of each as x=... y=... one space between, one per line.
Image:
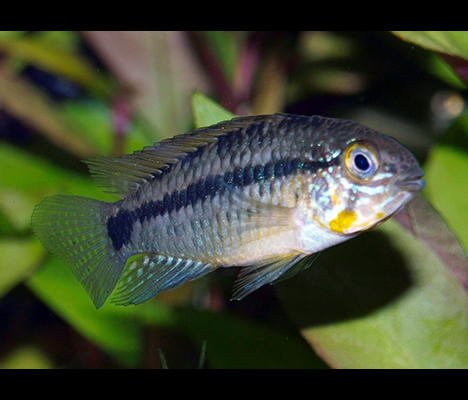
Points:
x=264 y=193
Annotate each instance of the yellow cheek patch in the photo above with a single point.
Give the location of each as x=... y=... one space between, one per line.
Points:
x=343 y=221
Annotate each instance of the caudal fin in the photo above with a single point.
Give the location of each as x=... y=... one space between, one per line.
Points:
x=74 y=229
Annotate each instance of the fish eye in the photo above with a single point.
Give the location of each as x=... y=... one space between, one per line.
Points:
x=361 y=160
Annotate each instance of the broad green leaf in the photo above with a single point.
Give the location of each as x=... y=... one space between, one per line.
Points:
x=446 y=177
x=26 y=179
x=234 y=343
x=451 y=46
x=207 y=112
x=225 y=45
x=19 y=257
x=16 y=208
x=382 y=300
x=6 y=227
x=433 y=231
x=27 y=357
x=454 y=43
x=441 y=69
x=94 y=120
x=118 y=330
x=11 y=34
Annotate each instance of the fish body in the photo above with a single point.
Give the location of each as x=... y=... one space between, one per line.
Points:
x=265 y=193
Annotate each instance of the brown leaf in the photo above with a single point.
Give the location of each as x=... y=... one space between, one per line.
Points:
x=158 y=69
x=420 y=218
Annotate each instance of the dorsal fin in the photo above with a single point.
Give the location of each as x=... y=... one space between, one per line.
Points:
x=124 y=174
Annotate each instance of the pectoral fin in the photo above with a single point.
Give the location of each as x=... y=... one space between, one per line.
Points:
x=257 y=214
x=272 y=270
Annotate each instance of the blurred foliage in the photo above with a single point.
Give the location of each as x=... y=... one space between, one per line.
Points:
x=392 y=298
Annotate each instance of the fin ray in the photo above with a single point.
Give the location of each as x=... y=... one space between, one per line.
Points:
x=124 y=174
x=151 y=274
x=301 y=265
x=253 y=277
x=74 y=229
x=257 y=214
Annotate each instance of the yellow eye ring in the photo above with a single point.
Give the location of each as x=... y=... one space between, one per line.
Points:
x=361 y=160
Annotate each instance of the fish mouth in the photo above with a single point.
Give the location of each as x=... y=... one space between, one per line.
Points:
x=411 y=181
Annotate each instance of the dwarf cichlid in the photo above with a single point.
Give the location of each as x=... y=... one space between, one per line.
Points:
x=265 y=193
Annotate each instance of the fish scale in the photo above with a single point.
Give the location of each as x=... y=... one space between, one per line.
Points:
x=265 y=193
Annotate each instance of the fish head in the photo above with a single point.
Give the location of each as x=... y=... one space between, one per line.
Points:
x=372 y=178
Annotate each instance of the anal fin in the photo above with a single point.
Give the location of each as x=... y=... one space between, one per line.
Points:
x=150 y=274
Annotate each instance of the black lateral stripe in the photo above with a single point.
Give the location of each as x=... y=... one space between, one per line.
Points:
x=120 y=227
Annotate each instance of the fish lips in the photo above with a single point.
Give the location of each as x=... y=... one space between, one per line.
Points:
x=411 y=181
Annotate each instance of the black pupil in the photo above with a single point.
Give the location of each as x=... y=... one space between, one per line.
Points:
x=361 y=162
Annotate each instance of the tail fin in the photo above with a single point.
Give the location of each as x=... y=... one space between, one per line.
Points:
x=74 y=229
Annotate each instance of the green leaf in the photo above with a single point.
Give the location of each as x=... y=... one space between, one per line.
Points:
x=225 y=45
x=451 y=46
x=6 y=227
x=382 y=300
x=94 y=119
x=207 y=112
x=24 y=181
x=446 y=171
x=433 y=231
x=27 y=103
x=19 y=257
x=56 y=59
x=33 y=179
x=454 y=43
x=27 y=357
x=235 y=343
x=118 y=330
